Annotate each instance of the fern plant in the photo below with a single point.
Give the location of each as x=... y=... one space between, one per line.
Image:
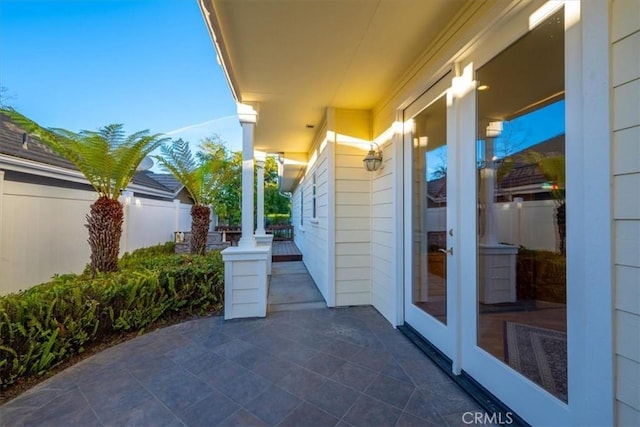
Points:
x=108 y=159
x=202 y=178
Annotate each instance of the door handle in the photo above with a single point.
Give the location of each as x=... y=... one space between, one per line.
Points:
x=447 y=251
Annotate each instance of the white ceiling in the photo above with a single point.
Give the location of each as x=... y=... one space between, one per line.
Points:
x=295 y=58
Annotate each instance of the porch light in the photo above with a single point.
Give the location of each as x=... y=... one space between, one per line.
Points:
x=373 y=160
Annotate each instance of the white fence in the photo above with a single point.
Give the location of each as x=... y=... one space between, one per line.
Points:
x=529 y=224
x=42 y=230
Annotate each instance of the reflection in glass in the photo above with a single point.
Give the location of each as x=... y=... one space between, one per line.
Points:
x=429 y=199
x=521 y=207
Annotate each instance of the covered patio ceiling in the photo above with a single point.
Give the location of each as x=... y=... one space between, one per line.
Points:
x=292 y=59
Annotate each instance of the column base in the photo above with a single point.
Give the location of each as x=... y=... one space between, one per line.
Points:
x=245 y=281
x=497 y=273
x=265 y=240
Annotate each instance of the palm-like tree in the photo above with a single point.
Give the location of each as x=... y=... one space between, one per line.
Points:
x=108 y=159
x=201 y=178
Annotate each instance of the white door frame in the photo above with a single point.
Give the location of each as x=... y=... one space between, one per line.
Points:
x=441 y=335
x=589 y=229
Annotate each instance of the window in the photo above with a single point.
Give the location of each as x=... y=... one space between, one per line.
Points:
x=302 y=206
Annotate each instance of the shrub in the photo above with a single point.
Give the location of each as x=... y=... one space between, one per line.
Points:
x=278 y=219
x=46 y=324
x=541 y=275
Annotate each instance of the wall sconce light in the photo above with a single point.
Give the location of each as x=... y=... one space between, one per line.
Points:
x=373 y=160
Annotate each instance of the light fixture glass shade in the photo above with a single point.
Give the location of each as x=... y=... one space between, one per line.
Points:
x=373 y=160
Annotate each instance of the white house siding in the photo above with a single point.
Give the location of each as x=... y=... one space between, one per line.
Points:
x=626 y=182
x=311 y=237
x=353 y=227
x=384 y=281
x=353 y=209
x=43 y=231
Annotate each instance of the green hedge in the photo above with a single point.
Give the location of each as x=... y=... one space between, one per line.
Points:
x=541 y=275
x=278 y=219
x=46 y=324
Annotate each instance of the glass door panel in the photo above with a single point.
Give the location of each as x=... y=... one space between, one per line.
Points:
x=429 y=207
x=429 y=201
x=521 y=289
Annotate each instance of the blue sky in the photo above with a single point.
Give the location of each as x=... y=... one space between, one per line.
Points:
x=149 y=64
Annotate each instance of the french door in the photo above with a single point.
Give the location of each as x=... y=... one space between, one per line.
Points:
x=485 y=229
x=430 y=207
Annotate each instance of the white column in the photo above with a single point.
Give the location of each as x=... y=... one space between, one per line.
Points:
x=248 y=118
x=488 y=195
x=245 y=266
x=260 y=196
x=262 y=238
x=176 y=215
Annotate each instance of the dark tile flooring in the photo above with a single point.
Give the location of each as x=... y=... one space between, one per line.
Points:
x=322 y=367
x=316 y=367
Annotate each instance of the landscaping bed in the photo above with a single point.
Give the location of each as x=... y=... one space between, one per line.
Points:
x=56 y=322
x=541 y=275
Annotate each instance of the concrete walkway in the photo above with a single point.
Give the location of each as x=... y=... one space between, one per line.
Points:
x=316 y=367
x=292 y=288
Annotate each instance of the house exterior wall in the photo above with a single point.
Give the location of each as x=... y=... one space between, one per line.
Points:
x=353 y=228
x=384 y=200
x=625 y=49
x=38 y=241
x=384 y=281
x=337 y=243
x=311 y=234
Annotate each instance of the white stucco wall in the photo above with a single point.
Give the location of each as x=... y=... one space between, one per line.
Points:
x=626 y=183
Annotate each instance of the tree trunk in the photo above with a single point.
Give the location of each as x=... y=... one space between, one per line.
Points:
x=561 y=220
x=105 y=228
x=200 y=219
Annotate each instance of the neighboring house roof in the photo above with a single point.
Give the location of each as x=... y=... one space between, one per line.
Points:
x=167 y=180
x=523 y=175
x=32 y=156
x=526 y=174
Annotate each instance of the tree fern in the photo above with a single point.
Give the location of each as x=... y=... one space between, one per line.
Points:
x=107 y=157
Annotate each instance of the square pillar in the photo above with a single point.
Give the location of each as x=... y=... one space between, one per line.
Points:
x=266 y=240
x=245 y=265
x=248 y=118
x=260 y=195
x=245 y=282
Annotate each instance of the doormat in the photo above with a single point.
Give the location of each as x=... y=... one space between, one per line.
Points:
x=539 y=354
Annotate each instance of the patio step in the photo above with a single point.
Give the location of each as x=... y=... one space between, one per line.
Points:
x=292 y=288
x=295 y=306
x=285 y=251
x=286 y=258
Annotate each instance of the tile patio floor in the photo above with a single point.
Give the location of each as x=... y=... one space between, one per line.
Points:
x=315 y=367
